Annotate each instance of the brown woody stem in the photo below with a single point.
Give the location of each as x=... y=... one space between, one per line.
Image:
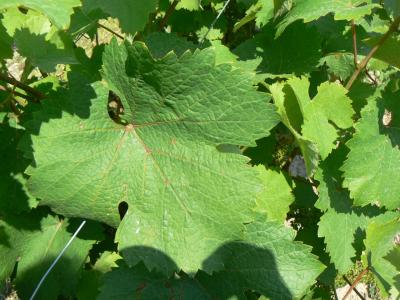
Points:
x=353 y=29
x=169 y=12
x=110 y=30
x=355 y=283
x=22 y=86
x=393 y=27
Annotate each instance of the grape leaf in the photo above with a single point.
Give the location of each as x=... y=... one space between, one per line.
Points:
x=14 y=197
x=388 y=51
x=379 y=241
x=371 y=170
x=163 y=161
x=393 y=7
x=58 y=12
x=265 y=262
x=310 y=10
x=5 y=41
x=275 y=199
x=132 y=15
x=34 y=240
x=283 y=56
x=91 y=280
x=188 y=4
x=307 y=119
x=49 y=50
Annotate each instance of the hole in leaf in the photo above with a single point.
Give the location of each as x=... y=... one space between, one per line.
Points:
x=115 y=108
x=122 y=209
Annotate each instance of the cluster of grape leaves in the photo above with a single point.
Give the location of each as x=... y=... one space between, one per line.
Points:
x=179 y=152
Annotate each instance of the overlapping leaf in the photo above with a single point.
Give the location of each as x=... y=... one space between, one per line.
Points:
x=267 y=262
x=59 y=12
x=276 y=196
x=380 y=243
x=306 y=119
x=310 y=10
x=34 y=240
x=341 y=225
x=185 y=197
x=132 y=15
x=371 y=170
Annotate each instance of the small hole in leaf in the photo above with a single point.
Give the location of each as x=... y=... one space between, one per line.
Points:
x=115 y=108
x=122 y=209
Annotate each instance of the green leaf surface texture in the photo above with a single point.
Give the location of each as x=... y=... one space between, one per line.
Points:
x=267 y=261
x=372 y=166
x=305 y=118
x=380 y=244
x=59 y=12
x=132 y=15
x=310 y=10
x=276 y=197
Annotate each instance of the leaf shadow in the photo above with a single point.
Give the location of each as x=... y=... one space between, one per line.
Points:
x=14 y=198
x=245 y=269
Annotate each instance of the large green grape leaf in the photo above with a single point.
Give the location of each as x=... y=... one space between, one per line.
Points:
x=276 y=197
x=185 y=197
x=59 y=12
x=380 y=244
x=371 y=171
x=313 y=122
x=268 y=262
x=34 y=240
x=132 y=14
x=310 y=10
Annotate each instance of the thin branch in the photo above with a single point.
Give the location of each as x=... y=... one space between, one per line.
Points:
x=355 y=283
x=27 y=97
x=370 y=77
x=22 y=86
x=353 y=29
x=355 y=289
x=110 y=30
x=169 y=12
x=393 y=27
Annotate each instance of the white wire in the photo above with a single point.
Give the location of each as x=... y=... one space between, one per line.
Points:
x=215 y=21
x=56 y=260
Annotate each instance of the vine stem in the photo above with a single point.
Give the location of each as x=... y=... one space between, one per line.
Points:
x=169 y=12
x=5 y=89
x=355 y=283
x=355 y=289
x=110 y=30
x=355 y=52
x=22 y=86
x=393 y=27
